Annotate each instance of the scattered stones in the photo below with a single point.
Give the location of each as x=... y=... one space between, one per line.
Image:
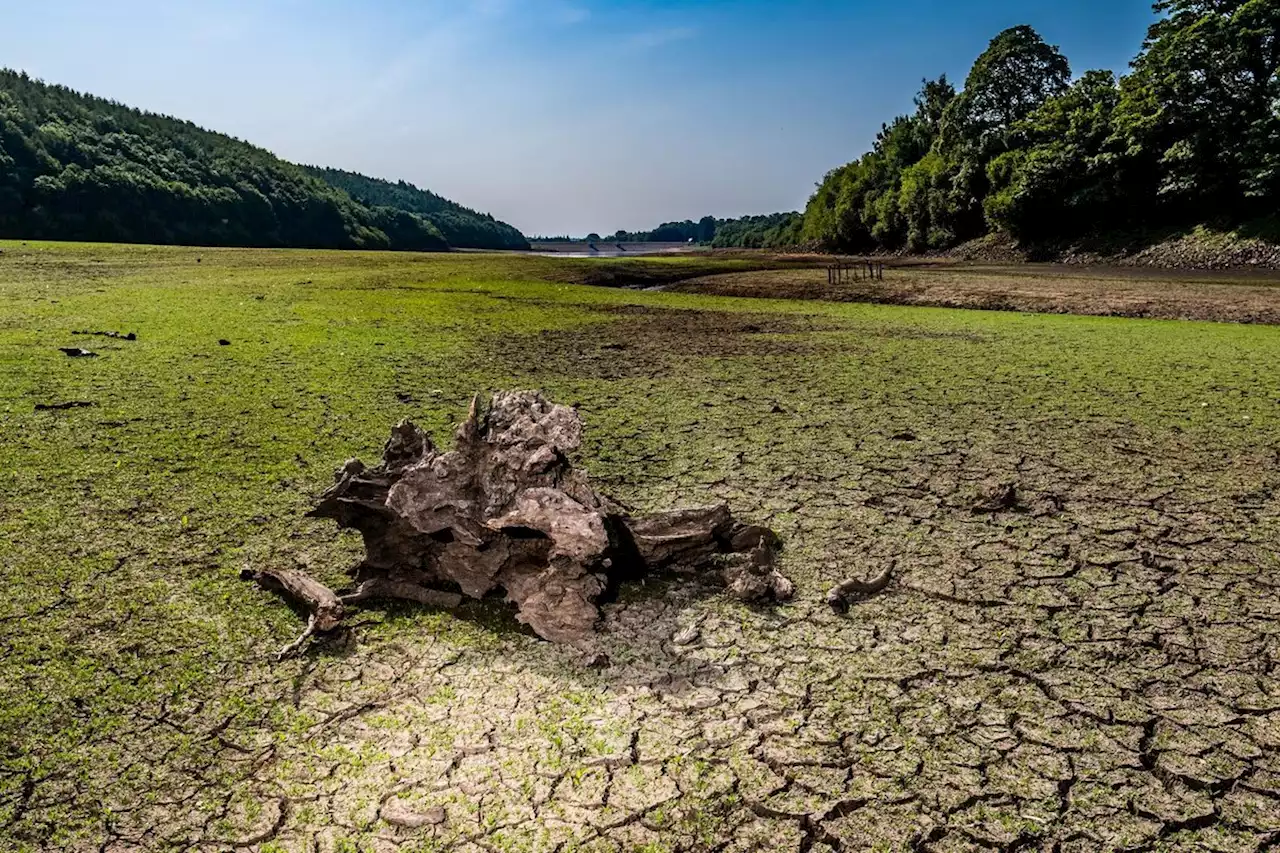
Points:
x=132 y=336
x=59 y=407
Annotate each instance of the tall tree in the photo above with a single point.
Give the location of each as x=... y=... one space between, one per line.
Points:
x=1202 y=106
x=1015 y=74
x=1013 y=77
x=1063 y=174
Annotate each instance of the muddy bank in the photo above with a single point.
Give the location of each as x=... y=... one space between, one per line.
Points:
x=1234 y=296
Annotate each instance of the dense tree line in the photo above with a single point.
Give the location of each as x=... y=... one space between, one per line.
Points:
x=771 y=231
x=1190 y=136
x=753 y=232
x=76 y=167
x=461 y=226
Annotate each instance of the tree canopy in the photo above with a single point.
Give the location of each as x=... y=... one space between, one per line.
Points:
x=754 y=232
x=76 y=167
x=460 y=226
x=1191 y=135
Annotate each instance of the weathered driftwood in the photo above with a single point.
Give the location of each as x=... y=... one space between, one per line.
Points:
x=505 y=512
x=323 y=605
x=842 y=593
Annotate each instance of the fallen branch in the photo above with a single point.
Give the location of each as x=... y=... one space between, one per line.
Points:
x=290 y=649
x=841 y=594
x=325 y=610
x=132 y=336
x=62 y=407
x=383 y=588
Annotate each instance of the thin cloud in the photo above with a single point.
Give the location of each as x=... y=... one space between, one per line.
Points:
x=651 y=39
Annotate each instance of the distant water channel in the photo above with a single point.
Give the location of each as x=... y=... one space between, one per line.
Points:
x=605 y=249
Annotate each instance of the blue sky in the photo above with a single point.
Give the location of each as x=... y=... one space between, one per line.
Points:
x=560 y=116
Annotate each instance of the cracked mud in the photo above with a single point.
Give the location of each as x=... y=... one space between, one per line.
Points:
x=1090 y=663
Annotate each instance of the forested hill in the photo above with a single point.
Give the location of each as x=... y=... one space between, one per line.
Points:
x=461 y=226
x=1190 y=136
x=77 y=167
x=750 y=232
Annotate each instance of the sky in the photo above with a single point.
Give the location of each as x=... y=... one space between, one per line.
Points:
x=558 y=116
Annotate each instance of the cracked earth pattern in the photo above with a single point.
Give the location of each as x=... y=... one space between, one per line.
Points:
x=1094 y=668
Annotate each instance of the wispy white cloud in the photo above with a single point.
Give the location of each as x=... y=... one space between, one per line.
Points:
x=650 y=39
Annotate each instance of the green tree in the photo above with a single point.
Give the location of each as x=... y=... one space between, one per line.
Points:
x=1064 y=174
x=76 y=167
x=1014 y=76
x=1010 y=79
x=1201 y=107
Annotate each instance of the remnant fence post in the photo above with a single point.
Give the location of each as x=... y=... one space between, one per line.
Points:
x=852 y=271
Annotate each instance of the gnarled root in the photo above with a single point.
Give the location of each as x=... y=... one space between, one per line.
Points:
x=323 y=605
x=840 y=595
x=754 y=577
x=291 y=649
x=505 y=511
x=386 y=588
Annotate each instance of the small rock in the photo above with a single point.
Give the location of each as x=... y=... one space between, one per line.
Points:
x=597 y=660
x=223 y=342
x=77 y=352
x=996 y=496
x=687 y=635
x=396 y=813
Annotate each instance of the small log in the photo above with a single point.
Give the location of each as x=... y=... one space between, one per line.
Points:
x=323 y=605
x=384 y=588
x=319 y=600
x=841 y=594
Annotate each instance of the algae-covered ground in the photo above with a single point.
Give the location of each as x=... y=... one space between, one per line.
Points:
x=1093 y=668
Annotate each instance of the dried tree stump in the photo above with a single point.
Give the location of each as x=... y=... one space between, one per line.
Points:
x=505 y=512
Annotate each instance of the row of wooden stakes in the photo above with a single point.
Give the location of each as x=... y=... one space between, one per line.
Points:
x=855 y=271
